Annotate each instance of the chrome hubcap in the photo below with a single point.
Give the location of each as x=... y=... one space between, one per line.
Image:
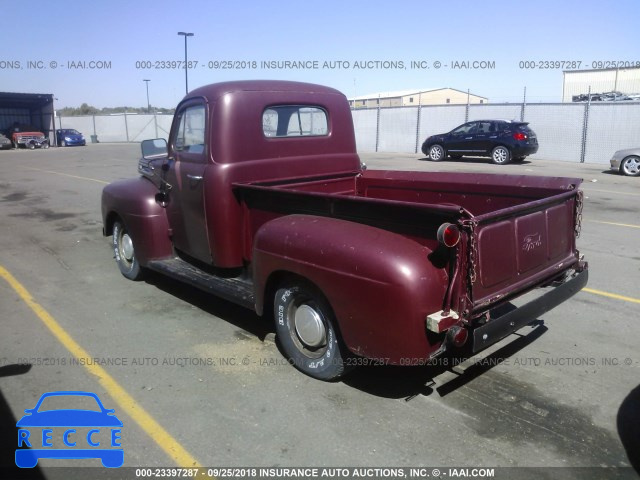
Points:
x=127 y=247
x=436 y=153
x=632 y=166
x=309 y=326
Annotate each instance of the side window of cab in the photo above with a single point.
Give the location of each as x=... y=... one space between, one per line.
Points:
x=190 y=134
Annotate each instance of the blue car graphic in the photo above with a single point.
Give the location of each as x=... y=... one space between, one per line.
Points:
x=96 y=422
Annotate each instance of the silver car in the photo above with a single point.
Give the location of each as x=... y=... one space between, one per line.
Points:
x=627 y=162
x=5 y=143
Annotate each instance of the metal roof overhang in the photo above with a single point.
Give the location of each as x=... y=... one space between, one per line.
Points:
x=30 y=101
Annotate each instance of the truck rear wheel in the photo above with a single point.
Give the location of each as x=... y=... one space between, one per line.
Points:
x=305 y=329
x=124 y=253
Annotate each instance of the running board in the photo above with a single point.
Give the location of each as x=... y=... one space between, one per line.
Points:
x=235 y=289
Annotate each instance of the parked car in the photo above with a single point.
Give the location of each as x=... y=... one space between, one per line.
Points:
x=627 y=162
x=68 y=136
x=5 y=143
x=27 y=136
x=502 y=140
x=612 y=96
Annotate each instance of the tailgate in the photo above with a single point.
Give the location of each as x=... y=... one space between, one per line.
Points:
x=522 y=247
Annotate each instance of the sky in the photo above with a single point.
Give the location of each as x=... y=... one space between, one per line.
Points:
x=100 y=52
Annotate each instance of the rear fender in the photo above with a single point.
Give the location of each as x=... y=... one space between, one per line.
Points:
x=380 y=285
x=133 y=201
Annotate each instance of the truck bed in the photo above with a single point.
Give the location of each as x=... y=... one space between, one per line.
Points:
x=476 y=193
x=521 y=228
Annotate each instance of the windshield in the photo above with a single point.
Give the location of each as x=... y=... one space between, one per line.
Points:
x=523 y=127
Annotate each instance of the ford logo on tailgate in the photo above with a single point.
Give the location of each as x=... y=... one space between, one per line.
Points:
x=531 y=242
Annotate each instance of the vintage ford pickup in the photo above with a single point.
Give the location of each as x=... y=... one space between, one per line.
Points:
x=260 y=198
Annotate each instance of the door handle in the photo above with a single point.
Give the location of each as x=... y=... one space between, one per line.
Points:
x=468 y=138
x=194 y=177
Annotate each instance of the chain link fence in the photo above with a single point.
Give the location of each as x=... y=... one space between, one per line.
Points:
x=122 y=127
x=573 y=132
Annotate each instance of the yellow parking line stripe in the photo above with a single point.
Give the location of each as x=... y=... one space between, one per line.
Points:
x=125 y=401
x=611 y=295
x=616 y=224
x=68 y=175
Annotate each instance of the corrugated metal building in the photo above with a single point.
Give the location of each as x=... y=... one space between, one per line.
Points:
x=35 y=109
x=403 y=98
x=578 y=82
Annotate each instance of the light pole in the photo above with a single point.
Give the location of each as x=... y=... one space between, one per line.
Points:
x=146 y=81
x=186 y=78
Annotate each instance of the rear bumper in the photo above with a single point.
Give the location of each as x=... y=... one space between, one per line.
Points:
x=519 y=150
x=73 y=142
x=502 y=325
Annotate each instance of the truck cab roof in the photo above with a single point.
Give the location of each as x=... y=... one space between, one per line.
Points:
x=217 y=90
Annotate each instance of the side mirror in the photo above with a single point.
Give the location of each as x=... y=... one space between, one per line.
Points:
x=156 y=148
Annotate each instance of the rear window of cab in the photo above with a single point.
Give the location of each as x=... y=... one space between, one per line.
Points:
x=282 y=121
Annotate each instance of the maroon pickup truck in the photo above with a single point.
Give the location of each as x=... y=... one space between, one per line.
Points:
x=259 y=197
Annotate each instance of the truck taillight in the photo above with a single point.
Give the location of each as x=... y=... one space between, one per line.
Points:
x=520 y=136
x=458 y=336
x=448 y=235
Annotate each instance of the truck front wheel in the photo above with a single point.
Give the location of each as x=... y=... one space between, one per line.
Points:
x=124 y=253
x=305 y=331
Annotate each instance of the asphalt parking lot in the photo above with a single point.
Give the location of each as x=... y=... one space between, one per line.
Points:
x=197 y=380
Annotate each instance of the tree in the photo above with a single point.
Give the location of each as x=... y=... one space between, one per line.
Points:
x=87 y=110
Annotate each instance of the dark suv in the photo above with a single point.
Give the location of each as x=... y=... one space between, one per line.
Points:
x=502 y=140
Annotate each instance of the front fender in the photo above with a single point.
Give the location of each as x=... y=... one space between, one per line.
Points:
x=381 y=285
x=134 y=202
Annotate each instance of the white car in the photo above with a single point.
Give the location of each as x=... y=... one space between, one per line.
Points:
x=627 y=162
